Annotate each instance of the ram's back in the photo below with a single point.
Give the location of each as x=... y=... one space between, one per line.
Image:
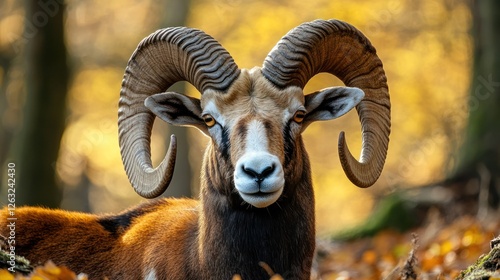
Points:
x=99 y=245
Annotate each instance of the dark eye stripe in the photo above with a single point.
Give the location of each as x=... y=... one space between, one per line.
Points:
x=268 y=126
x=289 y=144
x=241 y=130
x=225 y=145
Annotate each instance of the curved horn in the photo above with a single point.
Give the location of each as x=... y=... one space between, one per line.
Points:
x=160 y=60
x=340 y=49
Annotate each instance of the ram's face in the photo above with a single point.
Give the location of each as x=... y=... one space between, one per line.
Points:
x=251 y=125
x=255 y=126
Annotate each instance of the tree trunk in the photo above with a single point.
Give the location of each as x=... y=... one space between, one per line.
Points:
x=5 y=129
x=37 y=145
x=480 y=153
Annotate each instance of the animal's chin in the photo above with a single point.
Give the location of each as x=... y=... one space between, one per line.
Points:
x=261 y=199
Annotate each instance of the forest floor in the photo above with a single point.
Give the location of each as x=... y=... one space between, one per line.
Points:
x=433 y=251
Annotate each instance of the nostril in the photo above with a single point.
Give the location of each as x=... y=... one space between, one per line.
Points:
x=259 y=176
x=250 y=171
x=267 y=171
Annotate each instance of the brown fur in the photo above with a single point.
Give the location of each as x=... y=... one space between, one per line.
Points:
x=80 y=242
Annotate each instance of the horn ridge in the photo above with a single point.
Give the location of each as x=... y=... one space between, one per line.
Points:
x=302 y=40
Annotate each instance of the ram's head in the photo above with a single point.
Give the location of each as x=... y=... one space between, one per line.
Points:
x=254 y=117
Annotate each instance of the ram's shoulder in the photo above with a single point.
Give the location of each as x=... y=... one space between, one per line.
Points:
x=119 y=223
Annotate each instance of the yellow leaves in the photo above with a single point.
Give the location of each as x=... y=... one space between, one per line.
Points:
x=99 y=32
x=267 y=268
x=434 y=12
x=456 y=245
x=6 y=275
x=472 y=237
x=47 y=272
x=495 y=276
x=270 y=271
x=442 y=251
x=253 y=33
x=370 y=257
x=274 y=277
x=96 y=89
x=11 y=26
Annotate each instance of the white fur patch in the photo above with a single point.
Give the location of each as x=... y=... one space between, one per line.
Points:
x=151 y=275
x=258 y=175
x=256 y=138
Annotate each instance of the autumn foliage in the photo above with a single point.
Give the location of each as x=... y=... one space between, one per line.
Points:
x=49 y=271
x=440 y=252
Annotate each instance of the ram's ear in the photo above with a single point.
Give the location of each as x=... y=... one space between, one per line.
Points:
x=177 y=109
x=331 y=103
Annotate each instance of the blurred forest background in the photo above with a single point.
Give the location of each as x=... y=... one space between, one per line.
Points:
x=62 y=62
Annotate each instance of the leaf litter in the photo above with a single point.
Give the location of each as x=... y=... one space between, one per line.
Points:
x=433 y=251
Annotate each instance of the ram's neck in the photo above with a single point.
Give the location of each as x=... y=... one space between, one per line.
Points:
x=235 y=237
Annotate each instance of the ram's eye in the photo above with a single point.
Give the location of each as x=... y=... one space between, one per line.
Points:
x=209 y=120
x=299 y=116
